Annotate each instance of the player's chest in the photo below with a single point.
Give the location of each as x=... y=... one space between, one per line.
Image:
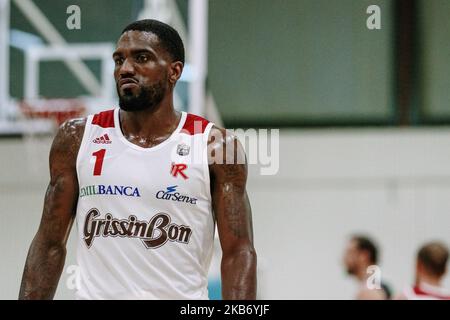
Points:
x=124 y=169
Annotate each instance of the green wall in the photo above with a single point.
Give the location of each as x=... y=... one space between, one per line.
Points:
x=296 y=61
x=278 y=62
x=435 y=37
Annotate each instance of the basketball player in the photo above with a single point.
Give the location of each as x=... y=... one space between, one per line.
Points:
x=431 y=266
x=360 y=254
x=145 y=211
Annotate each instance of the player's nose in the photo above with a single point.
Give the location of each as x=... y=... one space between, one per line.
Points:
x=126 y=68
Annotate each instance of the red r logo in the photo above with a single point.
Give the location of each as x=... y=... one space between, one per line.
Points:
x=178 y=168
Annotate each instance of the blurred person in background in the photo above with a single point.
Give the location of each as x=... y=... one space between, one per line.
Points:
x=360 y=254
x=431 y=266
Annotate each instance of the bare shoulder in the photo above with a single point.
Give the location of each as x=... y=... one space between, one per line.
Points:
x=68 y=140
x=224 y=148
x=220 y=137
x=72 y=128
x=368 y=294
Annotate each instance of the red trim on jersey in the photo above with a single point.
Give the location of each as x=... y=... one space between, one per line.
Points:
x=194 y=124
x=420 y=292
x=104 y=119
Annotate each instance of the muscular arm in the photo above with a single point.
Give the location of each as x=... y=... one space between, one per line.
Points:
x=233 y=216
x=46 y=256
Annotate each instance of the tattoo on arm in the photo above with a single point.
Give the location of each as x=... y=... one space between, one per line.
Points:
x=45 y=259
x=234 y=198
x=234 y=221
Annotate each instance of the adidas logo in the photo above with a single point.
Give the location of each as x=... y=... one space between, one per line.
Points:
x=103 y=139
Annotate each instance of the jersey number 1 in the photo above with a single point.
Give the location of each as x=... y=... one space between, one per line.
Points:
x=99 y=156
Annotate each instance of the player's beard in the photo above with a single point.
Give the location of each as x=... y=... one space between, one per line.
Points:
x=147 y=98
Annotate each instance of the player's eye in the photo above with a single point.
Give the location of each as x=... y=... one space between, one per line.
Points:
x=118 y=61
x=142 y=58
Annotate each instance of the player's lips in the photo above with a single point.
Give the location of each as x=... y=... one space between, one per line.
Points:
x=127 y=83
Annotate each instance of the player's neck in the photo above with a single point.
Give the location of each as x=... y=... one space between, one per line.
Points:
x=429 y=280
x=151 y=122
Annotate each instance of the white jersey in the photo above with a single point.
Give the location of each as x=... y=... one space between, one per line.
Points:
x=144 y=217
x=426 y=291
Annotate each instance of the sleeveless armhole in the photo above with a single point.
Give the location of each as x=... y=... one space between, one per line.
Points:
x=206 y=164
x=84 y=142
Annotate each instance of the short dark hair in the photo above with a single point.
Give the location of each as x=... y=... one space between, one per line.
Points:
x=364 y=243
x=168 y=36
x=434 y=256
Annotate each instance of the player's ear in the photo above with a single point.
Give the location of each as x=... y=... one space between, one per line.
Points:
x=176 y=68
